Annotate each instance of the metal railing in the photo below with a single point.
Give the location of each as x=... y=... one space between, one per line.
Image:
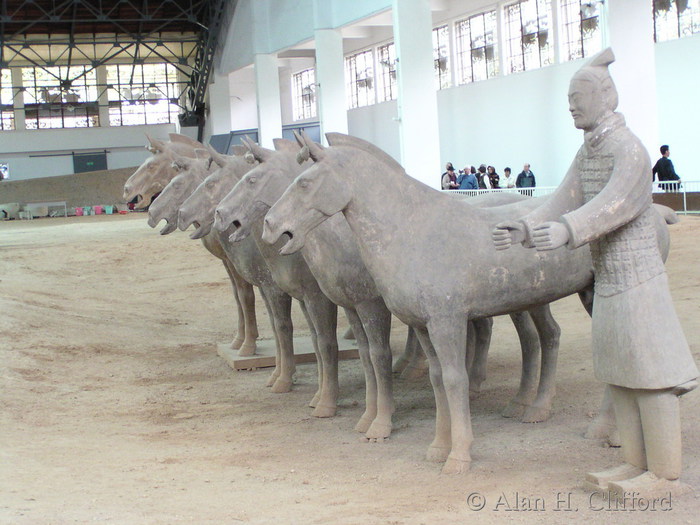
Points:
x=530 y=192
x=683 y=196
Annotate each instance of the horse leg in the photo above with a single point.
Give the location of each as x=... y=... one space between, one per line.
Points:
x=530 y=349
x=482 y=329
x=324 y=316
x=448 y=334
x=549 y=332
x=319 y=360
x=246 y=311
x=439 y=449
x=280 y=310
x=370 y=381
x=604 y=425
x=417 y=365
x=240 y=332
x=376 y=320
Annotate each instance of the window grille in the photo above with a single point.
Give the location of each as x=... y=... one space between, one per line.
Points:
x=527 y=35
x=386 y=55
x=580 y=23
x=477 y=57
x=441 y=57
x=359 y=75
x=675 y=19
x=304 y=94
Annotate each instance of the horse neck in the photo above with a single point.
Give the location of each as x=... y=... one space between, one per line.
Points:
x=386 y=202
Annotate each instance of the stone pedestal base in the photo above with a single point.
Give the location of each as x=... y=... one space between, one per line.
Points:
x=265 y=353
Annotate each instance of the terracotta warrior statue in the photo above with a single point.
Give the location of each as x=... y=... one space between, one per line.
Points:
x=638 y=344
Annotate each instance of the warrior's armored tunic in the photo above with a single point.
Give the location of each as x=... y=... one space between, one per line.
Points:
x=605 y=200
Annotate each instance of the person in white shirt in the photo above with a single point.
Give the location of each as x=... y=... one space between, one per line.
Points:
x=507 y=181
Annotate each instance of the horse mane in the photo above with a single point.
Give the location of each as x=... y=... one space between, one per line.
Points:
x=184 y=139
x=286 y=145
x=341 y=139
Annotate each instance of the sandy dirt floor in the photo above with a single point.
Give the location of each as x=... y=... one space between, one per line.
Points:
x=116 y=409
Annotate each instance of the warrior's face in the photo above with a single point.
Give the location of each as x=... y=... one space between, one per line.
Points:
x=585 y=103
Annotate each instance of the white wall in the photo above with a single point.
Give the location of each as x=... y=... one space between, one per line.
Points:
x=26 y=150
x=511 y=120
x=377 y=124
x=678 y=90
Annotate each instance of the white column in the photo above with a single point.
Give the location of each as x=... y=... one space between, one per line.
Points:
x=631 y=36
x=18 y=98
x=103 y=96
x=417 y=99
x=330 y=79
x=267 y=83
x=219 y=95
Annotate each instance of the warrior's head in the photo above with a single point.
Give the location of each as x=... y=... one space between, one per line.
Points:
x=592 y=92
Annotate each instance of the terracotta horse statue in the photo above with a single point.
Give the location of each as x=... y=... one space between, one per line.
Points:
x=198 y=209
x=432 y=278
x=334 y=258
x=152 y=177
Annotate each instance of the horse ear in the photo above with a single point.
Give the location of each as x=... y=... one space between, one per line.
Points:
x=259 y=153
x=315 y=150
x=216 y=156
x=154 y=145
x=299 y=138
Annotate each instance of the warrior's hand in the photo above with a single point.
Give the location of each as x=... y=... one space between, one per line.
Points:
x=507 y=233
x=550 y=236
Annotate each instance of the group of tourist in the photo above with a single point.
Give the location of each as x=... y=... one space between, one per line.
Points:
x=485 y=178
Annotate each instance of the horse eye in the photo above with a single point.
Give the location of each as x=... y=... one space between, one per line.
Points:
x=304 y=183
x=252 y=180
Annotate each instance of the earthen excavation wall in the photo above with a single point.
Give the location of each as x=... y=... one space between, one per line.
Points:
x=81 y=189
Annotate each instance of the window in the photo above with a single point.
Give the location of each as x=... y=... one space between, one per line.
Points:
x=7 y=114
x=142 y=94
x=675 y=19
x=581 y=34
x=304 y=94
x=386 y=55
x=359 y=75
x=527 y=37
x=441 y=53
x=476 y=47
x=60 y=97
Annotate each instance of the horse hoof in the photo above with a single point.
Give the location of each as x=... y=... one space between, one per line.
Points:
x=314 y=400
x=456 y=466
x=273 y=377
x=475 y=387
x=282 y=386
x=413 y=373
x=514 y=409
x=247 y=350
x=437 y=454
x=534 y=414
x=363 y=424
x=378 y=431
x=236 y=344
x=324 y=411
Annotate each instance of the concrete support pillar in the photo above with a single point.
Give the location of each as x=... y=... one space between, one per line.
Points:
x=631 y=36
x=267 y=84
x=417 y=99
x=330 y=77
x=18 y=98
x=219 y=119
x=103 y=96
